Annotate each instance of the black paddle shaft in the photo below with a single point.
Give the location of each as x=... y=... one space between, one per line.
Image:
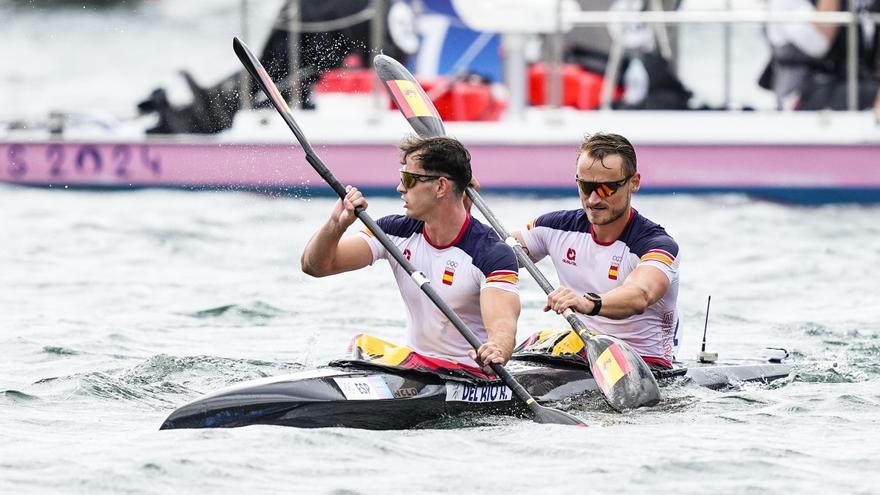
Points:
x=252 y=64
x=524 y=259
x=638 y=387
x=389 y=69
x=255 y=68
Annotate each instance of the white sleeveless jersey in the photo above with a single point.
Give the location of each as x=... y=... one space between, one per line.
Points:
x=585 y=265
x=475 y=260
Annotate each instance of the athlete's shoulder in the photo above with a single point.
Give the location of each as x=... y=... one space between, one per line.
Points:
x=566 y=220
x=488 y=252
x=400 y=225
x=643 y=235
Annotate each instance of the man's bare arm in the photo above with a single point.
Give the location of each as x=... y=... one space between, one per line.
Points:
x=500 y=310
x=326 y=252
x=643 y=287
x=519 y=238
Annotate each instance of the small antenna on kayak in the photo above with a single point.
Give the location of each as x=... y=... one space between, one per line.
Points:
x=703 y=356
x=706 y=323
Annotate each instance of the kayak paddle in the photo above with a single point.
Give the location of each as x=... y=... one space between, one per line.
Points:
x=539 y=413
x=623 y=376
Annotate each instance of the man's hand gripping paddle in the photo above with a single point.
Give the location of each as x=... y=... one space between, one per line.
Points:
x=538 y=412
x=623 y=377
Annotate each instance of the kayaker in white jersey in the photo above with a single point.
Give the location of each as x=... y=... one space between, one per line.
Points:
x=466 y=262
x=616 y=268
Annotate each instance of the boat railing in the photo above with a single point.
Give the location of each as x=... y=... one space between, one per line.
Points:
x=567 y=19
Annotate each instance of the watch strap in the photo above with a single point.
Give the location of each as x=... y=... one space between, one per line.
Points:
x=597 y=303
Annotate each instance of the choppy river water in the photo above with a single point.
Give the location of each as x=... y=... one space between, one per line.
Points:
x=117 y=307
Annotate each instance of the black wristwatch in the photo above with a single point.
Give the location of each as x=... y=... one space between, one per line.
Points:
x=597 y=303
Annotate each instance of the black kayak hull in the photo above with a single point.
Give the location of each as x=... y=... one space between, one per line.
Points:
x=378 y=399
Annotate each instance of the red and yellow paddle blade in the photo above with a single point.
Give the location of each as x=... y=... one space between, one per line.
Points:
x=623 y=377
x=409 y=97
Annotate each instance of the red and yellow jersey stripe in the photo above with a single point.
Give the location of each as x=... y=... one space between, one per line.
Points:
x=505 y=276
x=659 y=255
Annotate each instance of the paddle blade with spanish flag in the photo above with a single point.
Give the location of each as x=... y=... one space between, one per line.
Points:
x=624 y=378
x=409 y=97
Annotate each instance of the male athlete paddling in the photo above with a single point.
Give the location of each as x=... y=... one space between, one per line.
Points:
x=465 y=261
x=617 y=269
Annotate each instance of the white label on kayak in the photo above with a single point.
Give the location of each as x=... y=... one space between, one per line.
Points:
x=364 y=387
x=465 y=392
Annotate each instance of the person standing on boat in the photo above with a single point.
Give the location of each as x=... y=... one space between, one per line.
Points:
x=469 y=266
x=617 y=269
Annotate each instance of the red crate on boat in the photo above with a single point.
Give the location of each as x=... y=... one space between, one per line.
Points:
x=581 y=88
x=346 y=81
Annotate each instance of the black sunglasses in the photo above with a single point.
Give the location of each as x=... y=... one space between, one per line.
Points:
x=409 y=179
x=603 y=189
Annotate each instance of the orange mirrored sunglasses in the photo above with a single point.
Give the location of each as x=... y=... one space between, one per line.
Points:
x=603 y=189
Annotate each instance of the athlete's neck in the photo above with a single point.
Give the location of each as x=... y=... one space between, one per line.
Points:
x=444 y=224
x=610 y=232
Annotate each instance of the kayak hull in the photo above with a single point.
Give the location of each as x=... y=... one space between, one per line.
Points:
x=382 y=399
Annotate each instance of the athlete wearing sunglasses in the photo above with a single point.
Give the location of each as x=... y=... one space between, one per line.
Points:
x=467 y=264
x=603 y=189
x=409 y=179
x=616 y=268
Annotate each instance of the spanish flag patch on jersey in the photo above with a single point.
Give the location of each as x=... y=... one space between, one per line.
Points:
x=447 y=276
x=612 y=270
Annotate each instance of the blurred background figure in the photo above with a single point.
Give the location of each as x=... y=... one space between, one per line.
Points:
x=648 y=80
x=635 y=58
x=331 y=32
x=807 y=70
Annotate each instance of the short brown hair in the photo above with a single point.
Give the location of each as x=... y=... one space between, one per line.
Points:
x=599 y=145
x=440 y=155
